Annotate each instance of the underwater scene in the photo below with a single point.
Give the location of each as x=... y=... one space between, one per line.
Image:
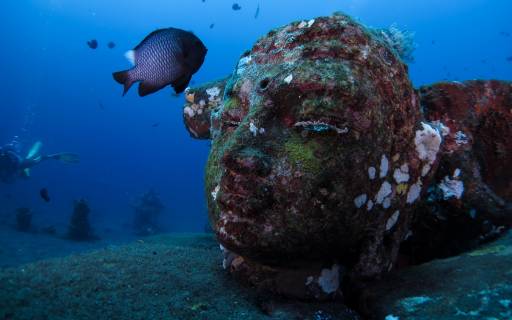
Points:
x=256 y=159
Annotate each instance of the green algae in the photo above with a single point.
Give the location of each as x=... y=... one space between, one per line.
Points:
x=302 y=154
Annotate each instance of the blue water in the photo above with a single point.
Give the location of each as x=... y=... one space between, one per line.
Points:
x=52 y=86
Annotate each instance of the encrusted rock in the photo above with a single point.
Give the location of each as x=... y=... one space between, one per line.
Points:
x=320 y=155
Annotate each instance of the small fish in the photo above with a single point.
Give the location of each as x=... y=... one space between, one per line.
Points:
x=156 y=124
x=93 y=44
x=44 y=194
x=165 y=56
x=100 y=104
x=257 y=14
x=212 y=25
x=509 y=59
x=504 y=33
x=433 y=42
x=111 y=45
x=236 y=6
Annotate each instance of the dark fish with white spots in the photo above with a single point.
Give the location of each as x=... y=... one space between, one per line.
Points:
x=111 y=45
x=165 y=57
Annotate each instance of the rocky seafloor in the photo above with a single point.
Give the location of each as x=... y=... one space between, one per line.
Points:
x=180 y=277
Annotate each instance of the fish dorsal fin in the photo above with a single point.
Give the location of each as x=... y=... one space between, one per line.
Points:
x=149 y=36
x=130 y=56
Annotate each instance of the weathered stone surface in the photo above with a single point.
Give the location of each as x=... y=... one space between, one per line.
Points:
x=473 y=184
x=318 y=149
x=322 y=155
x=199 y=103
x=476 y=285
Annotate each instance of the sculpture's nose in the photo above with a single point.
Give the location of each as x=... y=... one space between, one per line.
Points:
x=247 y=161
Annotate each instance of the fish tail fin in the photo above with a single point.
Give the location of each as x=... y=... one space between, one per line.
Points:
x=34 y=150
x=65 y=157
x=123 y=77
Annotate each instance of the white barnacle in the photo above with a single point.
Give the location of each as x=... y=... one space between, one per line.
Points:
x=384 y=166
x=386 y=203
x=384 y=191
x=371 y=173
x=329 y=279
x=310 y=23
x=392 y=220
x=456 y=173
x=427 y=141
x=189 y=111
x=369 y=205
x=242 y=64
x=215 y=192
x=425 y=169
x=460 y=138
x=261 y=130
x=253 y=129
x=213 y=93
x=360 y=200
x=451 y=188
x=288 y=79
x=414 y=192
x=401 y=174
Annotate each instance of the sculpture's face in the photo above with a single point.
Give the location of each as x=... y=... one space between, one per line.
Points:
x=296 y=136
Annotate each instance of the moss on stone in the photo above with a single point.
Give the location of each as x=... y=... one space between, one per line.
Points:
x=302 y=154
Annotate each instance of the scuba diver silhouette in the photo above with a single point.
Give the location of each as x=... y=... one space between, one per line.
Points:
x=12 y=165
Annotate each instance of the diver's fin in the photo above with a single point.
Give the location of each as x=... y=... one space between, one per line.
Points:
x=146 y=87
x=130 y=56
x=34 y=151
x=65 y=157
x=123 y=77
x=181 y=83
x=26 y=172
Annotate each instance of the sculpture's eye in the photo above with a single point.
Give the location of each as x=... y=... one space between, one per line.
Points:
x=320 y=126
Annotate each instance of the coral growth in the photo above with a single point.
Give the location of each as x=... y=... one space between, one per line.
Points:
x=79 y=227
x=147 y=213
x=321 y=155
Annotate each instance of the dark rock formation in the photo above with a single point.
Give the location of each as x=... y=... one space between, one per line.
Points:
x=473 y=184
x=79 y=227
x=147 y=212
x=23 y=219
x=321 y=158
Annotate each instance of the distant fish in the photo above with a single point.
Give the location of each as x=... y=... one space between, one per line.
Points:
x=165 y=56
x=44 y=194
x=504 y=33
x=509 y=59
x=433 y=42
x=111 y=45
x=212 y=25
x=93 y=44
x=156 y=124
x=236 y=7
x=257 y=14
x=100 y=104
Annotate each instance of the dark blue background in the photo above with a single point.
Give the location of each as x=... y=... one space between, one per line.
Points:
x=52 y=83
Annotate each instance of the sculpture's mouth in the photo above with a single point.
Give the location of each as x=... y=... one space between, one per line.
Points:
x=244 y=195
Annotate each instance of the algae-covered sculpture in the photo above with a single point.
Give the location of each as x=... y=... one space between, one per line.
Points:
x=321 y=155
x=147 y=213
x=23 y=219
x=79 y=227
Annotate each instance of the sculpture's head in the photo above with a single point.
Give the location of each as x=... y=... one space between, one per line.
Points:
x=313 y=143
